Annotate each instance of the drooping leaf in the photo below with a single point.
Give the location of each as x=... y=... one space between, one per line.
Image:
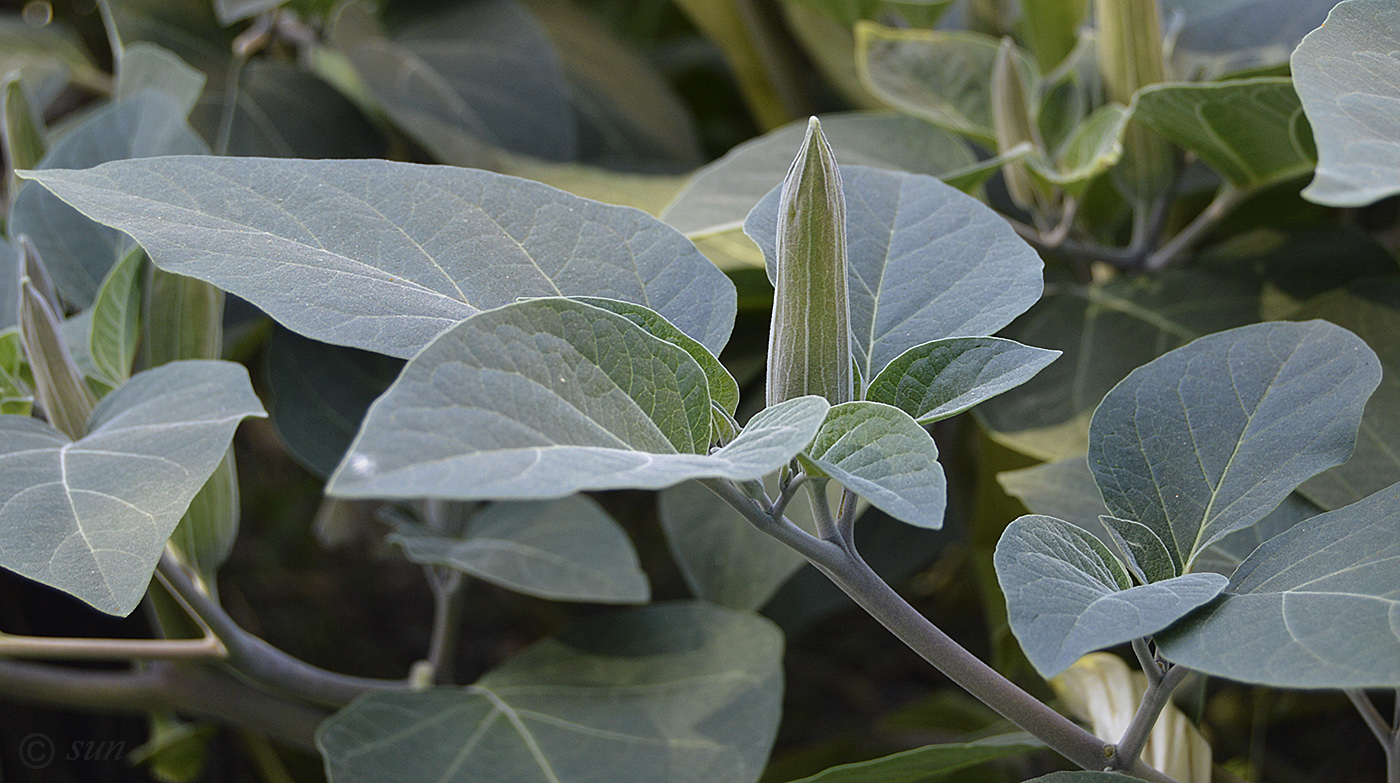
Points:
x=116 y=319
x=1105 y=330
x=926 y=262
x=1348 y=78
x=922 y=764
x=78 y=252
x=1067 y=595
x=1095 y=145
x=1209 y=438
x=550 y=397
x=464 y=81
x=91 y=516
x=943 y=378
x=1371 y=310
x=880 y=453
x=565 y=550
x=685 y=692
x=1252 y=131
x=1320 y=603
x=384 y=256
x=145 y=66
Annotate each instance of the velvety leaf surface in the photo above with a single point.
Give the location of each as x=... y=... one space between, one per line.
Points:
x=878 y=452
x=943 y=378
x=548 y=397
x=1348 y=78
x=920 y=764
x=1209 y=438
x=1067 y=595
x=76 y=251
x=383 y=256
x=91 y=516
x=1252 y=131
x=1320 y=602
x=565 y=550
x=683 y=692
x=145 y=66
x=926 y=262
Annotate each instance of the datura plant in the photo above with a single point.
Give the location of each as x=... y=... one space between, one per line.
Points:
x=527 y=350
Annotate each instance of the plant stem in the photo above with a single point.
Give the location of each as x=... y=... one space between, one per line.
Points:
x=1147 y=661
x=1154 y=700
x=789 y=491
x=821 y=511
x=448 y=595
x=846 y=518
x=1387 y=735
x=1119 y=257
x=50 y=648
x=261 y=662
x=1226 y=199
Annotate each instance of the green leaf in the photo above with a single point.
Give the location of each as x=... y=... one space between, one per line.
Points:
x=551 y=397
x=1371 y=310
x=564 y=550
x=1348 y=79
x=47 y=57
x=77 y=252
x=320 y=394
x=878 y=452
x=1094 y=147
x=1209 y=438
x=923 y=764
x=204 y=538
x=937 y=380
x=1051 y=29
x=1319 y=601
x=984 y=277
x=685 y=692
x=23 y=132
x=1218 y=37
x=9 y=285
x=91 y=516
x=145 y=66
x=16 y=396
x=1105 y=330
x=116 y=319
x=753 y=50
x=723 y=558
x=1067 y=595
x=62 y=393
x=1225 y=556
x=384 y=256
x=230 y=11
x=1252 y=131
x=464 y=81
x=943 y=77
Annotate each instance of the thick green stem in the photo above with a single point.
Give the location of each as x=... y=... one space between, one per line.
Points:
x=448 y=595
x=55 y=649
x=1154 y=700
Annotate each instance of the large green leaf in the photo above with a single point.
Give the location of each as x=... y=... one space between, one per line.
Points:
x=880 y=453
x=923 y=764
x=943 y=378
x=145 y=66
x=1320 y=603
x=1217 y=37
x=1067 y=595
x=465 y=80
x=91 y=516
x=1252 y=131
x=926 y=262
x=1211 y=437
x=566 y=550
x=384 y=256
x=1370 y=309
x=1349 y=80
x=77 y=252
x=549 y=397
x=1105 y=330
x=686 y=693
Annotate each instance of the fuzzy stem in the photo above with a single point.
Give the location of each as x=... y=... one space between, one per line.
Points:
x=1147 y=661
x=1226 y=199
x=1154 y=700
x=54 y=649
x=448 y=595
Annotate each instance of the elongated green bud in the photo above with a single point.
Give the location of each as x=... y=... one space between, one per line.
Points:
x=1012 y=123
x=1130 y=58
x=59 y=384
x=809 y=345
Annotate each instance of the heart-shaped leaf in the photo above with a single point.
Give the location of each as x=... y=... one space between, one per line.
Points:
x=383 y=256
x=91 y=516
x=943 y=378
x=548 y=397
x=687 y=693
x=1320 y=602
x=1211 y=437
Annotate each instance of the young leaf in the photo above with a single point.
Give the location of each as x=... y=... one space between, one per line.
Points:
x=1209 y=438
x=922 y=764
x=1093 y=148
x=63 y=394
x=116 y=319
x=549 y=397
x=809 y=342
x=943 y=378
x=1348 y=79
x=926 y=262
x=1252 y=131
x=23 y=134
x=1320 y=603
x=686 y=691
x=90 y=516
x=878 y=452
x=1067 y=595
x=384 y=256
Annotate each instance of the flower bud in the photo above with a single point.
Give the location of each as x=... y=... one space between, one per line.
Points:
x=1130 y=58
x=1012 y=122
x=59 y=384
x=809 y=345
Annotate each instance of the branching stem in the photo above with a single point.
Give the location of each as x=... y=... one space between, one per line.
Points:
x=448 y=595
x=1147 y=661
x=1388 y=735
x=67 y=649
x=1154 y=700
x=1226 y=199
